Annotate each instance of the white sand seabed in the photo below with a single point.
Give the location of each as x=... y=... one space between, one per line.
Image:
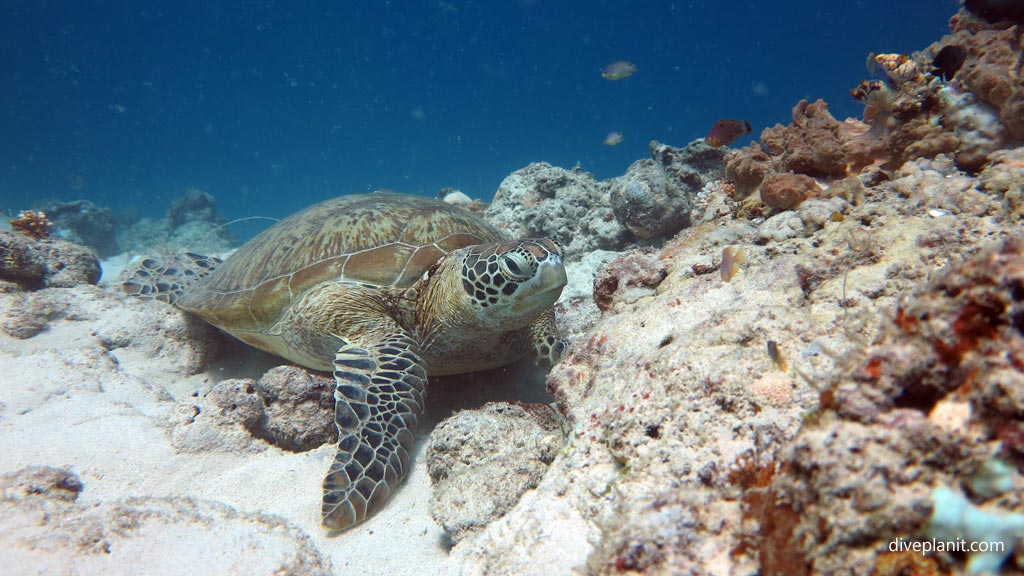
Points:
x=66 y=401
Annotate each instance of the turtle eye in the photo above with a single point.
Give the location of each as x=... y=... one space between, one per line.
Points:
x=516 y=266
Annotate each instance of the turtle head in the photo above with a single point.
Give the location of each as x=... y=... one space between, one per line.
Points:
x=508 y=284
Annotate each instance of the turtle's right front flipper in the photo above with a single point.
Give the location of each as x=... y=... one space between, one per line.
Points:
x=378 y=399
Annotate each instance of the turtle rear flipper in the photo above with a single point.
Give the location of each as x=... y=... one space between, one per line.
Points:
x=166 y=277
x=378 y=400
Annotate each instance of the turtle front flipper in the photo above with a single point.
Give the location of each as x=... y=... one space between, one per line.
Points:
x=378 y=398
x=548 y=344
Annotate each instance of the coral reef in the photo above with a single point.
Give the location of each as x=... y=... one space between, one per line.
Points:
x=746 y=168
x=685 y=432
x=955 y=98
x=193 y=204
x=967 y=115
x=810 y=144
x=1004 y=178
x=958 y=343
x=85 y=223
x=48 y=263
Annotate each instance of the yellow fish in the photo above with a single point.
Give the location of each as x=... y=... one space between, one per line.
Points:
x=618 y=70
x=776 y=356
x=731 y=260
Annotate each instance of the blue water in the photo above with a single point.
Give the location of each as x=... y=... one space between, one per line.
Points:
x=271 y=106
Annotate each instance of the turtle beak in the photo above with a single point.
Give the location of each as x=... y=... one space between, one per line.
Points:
x=551 y=275
x=545 y=288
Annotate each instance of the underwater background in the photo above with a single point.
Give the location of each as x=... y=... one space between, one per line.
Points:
x=271 y=106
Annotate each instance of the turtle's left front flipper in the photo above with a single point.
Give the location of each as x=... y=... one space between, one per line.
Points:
x=548 y=344
x=378 y=398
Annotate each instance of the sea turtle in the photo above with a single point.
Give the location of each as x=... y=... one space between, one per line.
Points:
x=383 y=290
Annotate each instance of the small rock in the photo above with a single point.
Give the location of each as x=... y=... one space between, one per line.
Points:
x=646 y=204
x=482 y=461
x=40 y=482
x=220 y=420
x=635 y=269
x=289 y=407
x=458 y=198
x=298 y=412
x=48 y=263
x=655 y=196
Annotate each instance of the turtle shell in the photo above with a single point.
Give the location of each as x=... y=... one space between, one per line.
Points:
x=381 y=239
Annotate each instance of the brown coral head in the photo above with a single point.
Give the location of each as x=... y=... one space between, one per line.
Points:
x=33 y=224
x=786 y=191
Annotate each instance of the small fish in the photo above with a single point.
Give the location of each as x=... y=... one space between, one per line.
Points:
x=731 y=260
x=837 y=216
x=618 y=70
x=613 y=138
x=725 y=132
x=864 y=90
x=948 y=61
x=776 y=355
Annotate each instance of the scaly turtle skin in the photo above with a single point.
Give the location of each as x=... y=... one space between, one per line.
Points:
x=382 y=290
